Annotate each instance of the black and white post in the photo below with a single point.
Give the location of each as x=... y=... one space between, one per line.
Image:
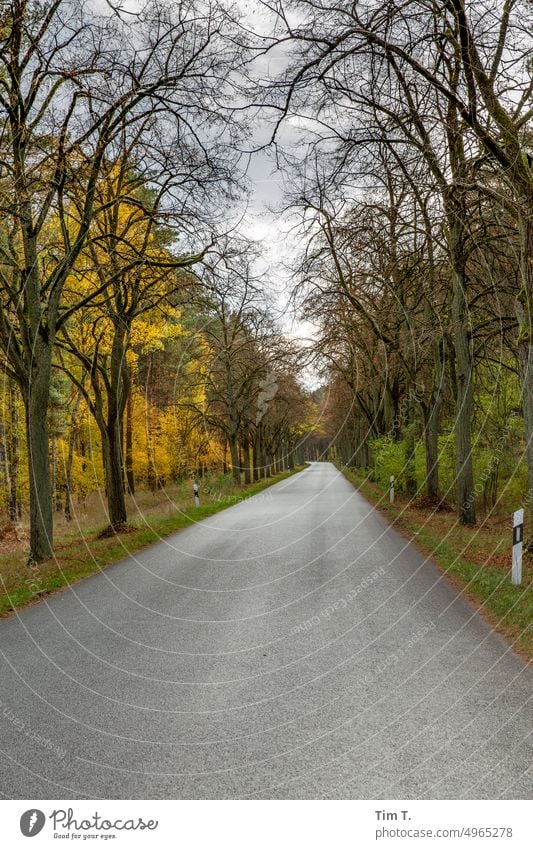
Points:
x=518 y=536
x=196 y=490
x=391 y=489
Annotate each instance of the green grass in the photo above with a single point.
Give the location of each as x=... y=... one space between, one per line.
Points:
x=477 y=560
x=77 y=556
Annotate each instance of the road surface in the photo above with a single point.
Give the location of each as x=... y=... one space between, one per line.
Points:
x=292 y=646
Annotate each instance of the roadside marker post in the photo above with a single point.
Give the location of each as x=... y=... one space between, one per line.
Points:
x=196 y=490
x=518 y=536
x=391 y=489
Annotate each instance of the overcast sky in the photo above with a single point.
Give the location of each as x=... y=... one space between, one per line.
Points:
x=262 y=219
x=266 y=218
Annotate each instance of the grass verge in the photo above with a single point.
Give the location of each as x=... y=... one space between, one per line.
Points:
x=79 y=555
x=477 y=560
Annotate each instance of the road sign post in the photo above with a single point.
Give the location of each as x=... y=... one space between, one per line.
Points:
x=196 y=490
x=518 y=536
x=391 y=489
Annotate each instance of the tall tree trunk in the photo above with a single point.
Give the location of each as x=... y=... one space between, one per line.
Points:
x=410 y=479
x=151 y=472
x=36 y=397
x=130 y=476
x=262 y=457
x=290 y=458
x=224 y=457
x=464 y=373
x=9 y=447
x=112 y=451
x=431 y=444
x=4 y=463
x=111 y=430
x=247 y=462
x=456 y=216
x=430 y=407
x=257 y=453
x=53 y=471
x=392 y=417
x=70 y=458
x=14 y=505
x=234 y=451
x=524 y=309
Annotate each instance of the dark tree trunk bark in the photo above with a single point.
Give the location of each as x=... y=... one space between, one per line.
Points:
x=464 y=374
x=111 y=428
x=255 y=448
x=13 y=457
x=70 y=458
x=4 y=462
x=53 y=471
x=224 y=461
x=112 y=450
x=262 y=457
x=524 y=311
x=456 y=216
x=431 y=444
x=151 y=472
x=247 y=462
x=36 y=397
x=234 y=451
x=130 y=476
x=410 y=479
x=257 y=453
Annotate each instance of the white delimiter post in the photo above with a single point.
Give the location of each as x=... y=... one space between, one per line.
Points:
x=391 y=488
x=196 y=490
x=518 y=536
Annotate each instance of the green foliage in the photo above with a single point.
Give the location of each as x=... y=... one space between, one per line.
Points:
x=389 y=459
x=500 y=469
x=447 y=464
x=447 y=543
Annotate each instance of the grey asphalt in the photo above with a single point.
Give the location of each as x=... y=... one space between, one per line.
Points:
x=292 y=646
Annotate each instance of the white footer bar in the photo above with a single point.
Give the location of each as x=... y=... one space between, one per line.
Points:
x=267 y=824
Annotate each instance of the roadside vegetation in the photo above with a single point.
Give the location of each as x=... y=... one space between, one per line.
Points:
x=476 y=560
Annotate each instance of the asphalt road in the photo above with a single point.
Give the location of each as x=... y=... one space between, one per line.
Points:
x=292 y=646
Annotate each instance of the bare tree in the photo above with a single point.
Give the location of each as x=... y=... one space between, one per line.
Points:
x=464 y=67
